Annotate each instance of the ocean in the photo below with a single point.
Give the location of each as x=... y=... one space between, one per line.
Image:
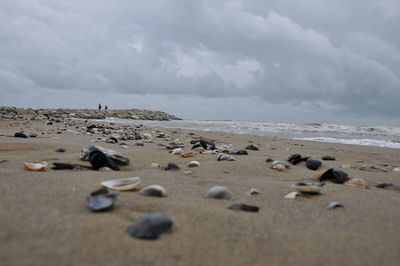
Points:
x=381 y=136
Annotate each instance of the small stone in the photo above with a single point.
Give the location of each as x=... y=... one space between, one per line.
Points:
x=240 y=152
x=252 y=147
x=62 y=166
x=188 y=172
x=153 y=191
x=333 y=205
x=219 y=192
x=328 y=158
x=98 y=159
x=346 y=166
x=384 y=185
x=313 y=164
x=60 y=150
x=243 y=207
x=335 y=175
x=21 y=135
x=253 y=191
x=172 y=167
x=150 y=226
x=269 y=160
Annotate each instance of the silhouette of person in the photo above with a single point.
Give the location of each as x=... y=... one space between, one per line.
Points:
x=99 y=106
x=105 y=107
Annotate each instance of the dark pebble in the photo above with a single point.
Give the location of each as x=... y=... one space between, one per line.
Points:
x=21 y=135
x=296 y=158
x=384 y=185
x=244 y=207
x=328 y=158
x=269 y=160
x=313 y=164
x=150 y=226
x=98 y=159
x=240 y=152
x=252 y=147
x=62 y=166
x=335 y=175
x=172 y=166
x=61 y=150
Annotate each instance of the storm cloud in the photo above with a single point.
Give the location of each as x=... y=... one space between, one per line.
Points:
x=295 y=61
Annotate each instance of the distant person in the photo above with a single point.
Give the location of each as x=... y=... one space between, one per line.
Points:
x=105 y=107
x=99 y=106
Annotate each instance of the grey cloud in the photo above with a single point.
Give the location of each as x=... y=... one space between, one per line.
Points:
x=339 y=57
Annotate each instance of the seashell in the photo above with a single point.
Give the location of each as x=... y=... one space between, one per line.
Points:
x=384 y=185
x=225 y=157
x=243 y=207
x=333 y=205
x=147 y=137
x=279 y=167
x=177 y=151
x=199 y=149
x=313 y=164
x=280 y=163
x=193 y=164
x=335 y=175
x=150 y=226
x=252 y=147
x=35 y=166
x=357 y=183
x=346 y=166
x=253 y=191
x=62 y=166
x=328 y=158
x=101 y=200
x=188 y=172
x=105 y=169
x=153 y=191
x=172 y=166
x=292 y=195
x=122 y=184
x=219 y=192
x=113 y=155
x=396 y=169
x=311 y=188
x=187 y=154
x=155 y=165
x=206 y=144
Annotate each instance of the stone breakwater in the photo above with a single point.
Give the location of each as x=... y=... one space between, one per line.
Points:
x=41 y=114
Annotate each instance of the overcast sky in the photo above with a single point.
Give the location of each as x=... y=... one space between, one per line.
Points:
x=267 y=60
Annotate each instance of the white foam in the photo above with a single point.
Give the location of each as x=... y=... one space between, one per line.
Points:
x=364 y=142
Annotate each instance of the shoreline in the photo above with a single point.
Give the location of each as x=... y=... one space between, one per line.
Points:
x=45 y=219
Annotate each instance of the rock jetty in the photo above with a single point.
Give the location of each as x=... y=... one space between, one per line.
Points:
x=39 y=114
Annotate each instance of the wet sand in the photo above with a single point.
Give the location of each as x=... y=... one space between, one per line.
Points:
x=44 y=218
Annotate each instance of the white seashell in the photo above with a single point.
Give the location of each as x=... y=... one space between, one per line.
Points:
x=357 y=182
x=105 y=169
x=177 y=151
x=193 y=164
x=292 y=195
x=333 y=205
x=396 y=169
x=219 y=192
x=188 y=172
x=147 y=137
x=35 y=166
x=129 y=183
x=225 y=157
x=279 y=167
x=153 y=191
x=275 y=163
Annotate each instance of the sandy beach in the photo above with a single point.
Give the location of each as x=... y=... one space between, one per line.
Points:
x=45 y=220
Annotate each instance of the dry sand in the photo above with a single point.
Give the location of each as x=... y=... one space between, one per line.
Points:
x=44 y=218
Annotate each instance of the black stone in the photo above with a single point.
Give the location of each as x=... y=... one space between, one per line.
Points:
x=313 y=164
x=60 y=150
x=240 y=152
x=335 y=175
x=150 y=226
x=62 y=166
x=328 y=158
x=296 y=158
x=98 y=159
x=269 y=160
x=252 y=147
x=21 y=135
x=384 y=185
x=172 y=166
x=244 y=207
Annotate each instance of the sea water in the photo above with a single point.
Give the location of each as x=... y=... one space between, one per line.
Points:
x=382 y=136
